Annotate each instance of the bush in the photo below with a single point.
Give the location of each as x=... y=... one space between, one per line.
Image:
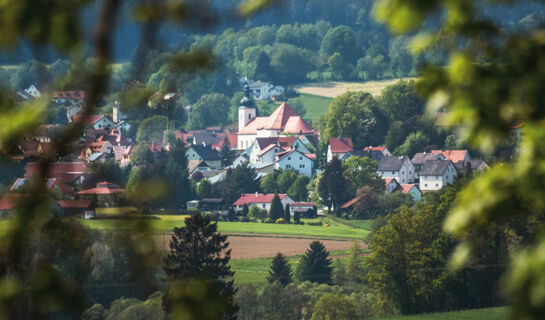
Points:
x=268 y=220
x=315 y=224
x=280 y=221
x=243 y=219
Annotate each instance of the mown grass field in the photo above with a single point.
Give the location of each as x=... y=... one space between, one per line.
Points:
x=315 y=106
x=499 y=313
x=256 y=270
x=334 y=230
x=333 y=89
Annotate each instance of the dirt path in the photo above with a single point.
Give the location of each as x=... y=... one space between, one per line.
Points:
x=243 y=247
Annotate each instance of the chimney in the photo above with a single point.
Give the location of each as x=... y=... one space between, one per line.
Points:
x=256 y=194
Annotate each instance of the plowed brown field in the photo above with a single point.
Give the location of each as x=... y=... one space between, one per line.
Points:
x=243 y=247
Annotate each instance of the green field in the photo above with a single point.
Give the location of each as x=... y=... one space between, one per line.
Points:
x=335 y=230
x=257 y=269
x=499 y=313
x=315 y=106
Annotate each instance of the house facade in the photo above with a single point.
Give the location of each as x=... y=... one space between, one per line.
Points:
x=399 y=168
x=339 y=147
x=436 y=174
x=262 y=201
x=206 y=154
x=296 y=160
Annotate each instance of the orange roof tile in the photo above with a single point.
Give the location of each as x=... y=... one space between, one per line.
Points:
x=340 y=145
x=248 y=198
x=452 y=155
x=296 y=125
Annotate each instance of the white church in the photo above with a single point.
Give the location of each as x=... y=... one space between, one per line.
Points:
x=284 y=121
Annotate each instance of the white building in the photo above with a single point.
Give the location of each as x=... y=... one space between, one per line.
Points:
x=437 y=173
x=262 y=201
x=265 y=90
x=399 y=168
x=283 y=122
x=296 y=160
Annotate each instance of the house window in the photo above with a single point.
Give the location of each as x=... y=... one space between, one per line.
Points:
x=393 y=172
x=300 y=158
x=249 y=116
x=289 y=158
x=301 y=166
x=402 y=172
x=437 y=185
x=263 y=206
x=425 y=185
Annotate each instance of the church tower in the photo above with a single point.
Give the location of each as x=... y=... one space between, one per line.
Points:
x=247 y=110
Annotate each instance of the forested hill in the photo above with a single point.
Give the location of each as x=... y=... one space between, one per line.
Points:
x=355 y=14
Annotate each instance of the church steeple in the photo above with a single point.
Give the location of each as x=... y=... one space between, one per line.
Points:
x=247 y=110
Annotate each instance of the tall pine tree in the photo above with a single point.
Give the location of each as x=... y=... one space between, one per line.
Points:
x=280 y=270
x=276 y=211
x=332 y=184
x=177 y=174
x=287 y=214
x=315 y=265
x=199 y=252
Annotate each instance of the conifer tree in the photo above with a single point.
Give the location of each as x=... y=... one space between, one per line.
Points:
x=231 y=214
x=287 y=214
x=315 y=266
x=280 y=270
x=296 y=217
x=199 y=252
x=276 y=211
x=354 y=265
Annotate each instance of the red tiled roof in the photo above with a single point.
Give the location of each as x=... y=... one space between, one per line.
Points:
x=276 y=121
x=388 y=180
x=340 y=145
x=350 y=203
x=517 y=126
x=405 y=188
x=57 y=168
x=248 y=198
x=10 y=200
x=280 y=116
x=303 y=204
x=69 y=94
x=296 y=125
x=379 y=148
x=452 y=155
x=103 y=187
x=311 y=156
x=74 y=203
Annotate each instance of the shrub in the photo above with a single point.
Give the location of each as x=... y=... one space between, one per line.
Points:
x=243 y=219
x=268 y=220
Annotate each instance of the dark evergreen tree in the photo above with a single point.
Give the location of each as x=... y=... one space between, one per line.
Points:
x=276 y=211
x=231 y=215
x=315 y=266
x=245 y=210
x=287 y=214
x=241 y=179
x=332 y=185
x=280 y=270
x=199 y=252
x=227 y=155
x=263 y=69
x=177 y=174
x=296 y=217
